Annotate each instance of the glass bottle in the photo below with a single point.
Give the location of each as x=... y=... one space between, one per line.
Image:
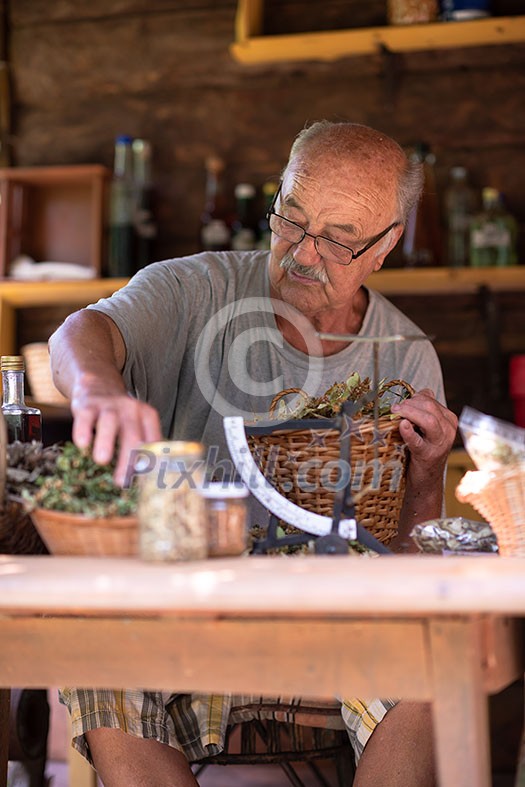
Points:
x=493 y=233
x=460 y=208
x=121 y=211
x=244 y=235
x=265 y=234
x=215 y=223
x=422 y=236
x=459 y=10
x=23 y=423
x=144 y=222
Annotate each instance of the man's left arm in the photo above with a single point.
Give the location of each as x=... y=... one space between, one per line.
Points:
x=428 y=429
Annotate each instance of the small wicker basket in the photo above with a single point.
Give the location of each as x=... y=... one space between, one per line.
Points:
x=78 y=534
x=499 y=496
x=300 y=465
x=39 y=377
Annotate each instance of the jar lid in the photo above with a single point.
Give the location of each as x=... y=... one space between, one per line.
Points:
x=174 y=448
x=217 y=490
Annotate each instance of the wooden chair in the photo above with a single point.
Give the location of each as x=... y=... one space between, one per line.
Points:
x=262 y=741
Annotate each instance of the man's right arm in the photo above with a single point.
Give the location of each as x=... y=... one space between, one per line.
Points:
x=87 y=358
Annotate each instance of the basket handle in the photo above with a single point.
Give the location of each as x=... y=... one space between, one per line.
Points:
x=401 y=383
x=391 y=384
x=287 y=391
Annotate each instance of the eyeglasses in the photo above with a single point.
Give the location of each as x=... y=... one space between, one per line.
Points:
x=328 y=249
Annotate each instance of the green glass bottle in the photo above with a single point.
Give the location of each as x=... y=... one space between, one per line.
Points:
x=493 y=233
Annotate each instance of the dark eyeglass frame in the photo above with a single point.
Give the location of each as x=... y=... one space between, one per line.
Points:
x=353 y=254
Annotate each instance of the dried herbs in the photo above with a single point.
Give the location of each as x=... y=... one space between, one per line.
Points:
x=329 y=404
x=27 y=465
x=81 y=486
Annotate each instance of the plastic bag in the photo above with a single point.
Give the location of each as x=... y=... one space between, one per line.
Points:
x=490 y=442
x=454 y=535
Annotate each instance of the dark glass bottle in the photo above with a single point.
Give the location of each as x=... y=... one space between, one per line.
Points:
x=422 y=236
x=23 y=423
x=244 y=226
x=215 y=219
x=121 y=211
x=265 y=234
x=144 y=219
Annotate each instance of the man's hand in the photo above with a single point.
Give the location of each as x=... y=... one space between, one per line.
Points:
x=428 y=429
x=112 y=418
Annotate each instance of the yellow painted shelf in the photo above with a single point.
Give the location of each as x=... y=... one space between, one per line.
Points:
x=396 y=281
x=430 y=281
x=251 y=47
x=18 y=295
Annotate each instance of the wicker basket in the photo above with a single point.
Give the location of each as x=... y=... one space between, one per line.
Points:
x=38 y=370
x=296 y=462
x=77 y=534
x=499 y=496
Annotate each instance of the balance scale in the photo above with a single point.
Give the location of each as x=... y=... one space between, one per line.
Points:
x=332 y=533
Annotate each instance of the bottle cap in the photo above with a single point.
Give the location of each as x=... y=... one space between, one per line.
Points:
x=269 y=188
x=244 y=191
x=215 y=164
x=489 y=195
x=458 y=173
x=13 y=363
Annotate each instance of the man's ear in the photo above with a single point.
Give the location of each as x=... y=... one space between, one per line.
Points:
x=392 y=240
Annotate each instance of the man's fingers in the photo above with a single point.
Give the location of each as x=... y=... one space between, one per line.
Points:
x=105 y=437
x=151 y=425
x=83 y=425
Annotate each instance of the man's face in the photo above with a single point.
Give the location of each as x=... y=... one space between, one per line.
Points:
x=340 y=202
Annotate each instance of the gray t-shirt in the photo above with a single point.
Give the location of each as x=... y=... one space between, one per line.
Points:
x=202 y=342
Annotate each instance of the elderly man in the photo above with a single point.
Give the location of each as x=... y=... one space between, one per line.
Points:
x=216 y=334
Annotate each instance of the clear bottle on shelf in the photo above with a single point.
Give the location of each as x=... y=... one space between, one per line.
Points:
x=215 y=220
x=244 y=226
x=145 y=228
x=23 y=423
x=493 y=233
x=460 y=206
x=121 y=211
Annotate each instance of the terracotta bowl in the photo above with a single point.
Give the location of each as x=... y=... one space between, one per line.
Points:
x=78 y=534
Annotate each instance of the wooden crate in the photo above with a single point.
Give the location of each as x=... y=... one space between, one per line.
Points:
x=53 y=214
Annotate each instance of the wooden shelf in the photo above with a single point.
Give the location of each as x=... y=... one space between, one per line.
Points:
x=443 y=281
x=251 y=47
x=397 y=281
x=53 y=213
x=16 y=295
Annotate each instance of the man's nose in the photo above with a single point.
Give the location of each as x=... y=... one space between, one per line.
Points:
x=305 y=251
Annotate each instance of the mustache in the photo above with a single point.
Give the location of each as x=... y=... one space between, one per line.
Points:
x=288 y=264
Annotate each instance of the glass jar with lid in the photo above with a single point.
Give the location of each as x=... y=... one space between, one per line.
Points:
x=226 y=518
x=172 y=524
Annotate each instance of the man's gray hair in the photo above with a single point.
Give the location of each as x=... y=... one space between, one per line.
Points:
x=355 y=139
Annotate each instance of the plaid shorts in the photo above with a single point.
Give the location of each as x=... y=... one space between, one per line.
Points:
x=195 y=724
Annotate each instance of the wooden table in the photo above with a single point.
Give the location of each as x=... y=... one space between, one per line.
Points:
x=418 y=627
